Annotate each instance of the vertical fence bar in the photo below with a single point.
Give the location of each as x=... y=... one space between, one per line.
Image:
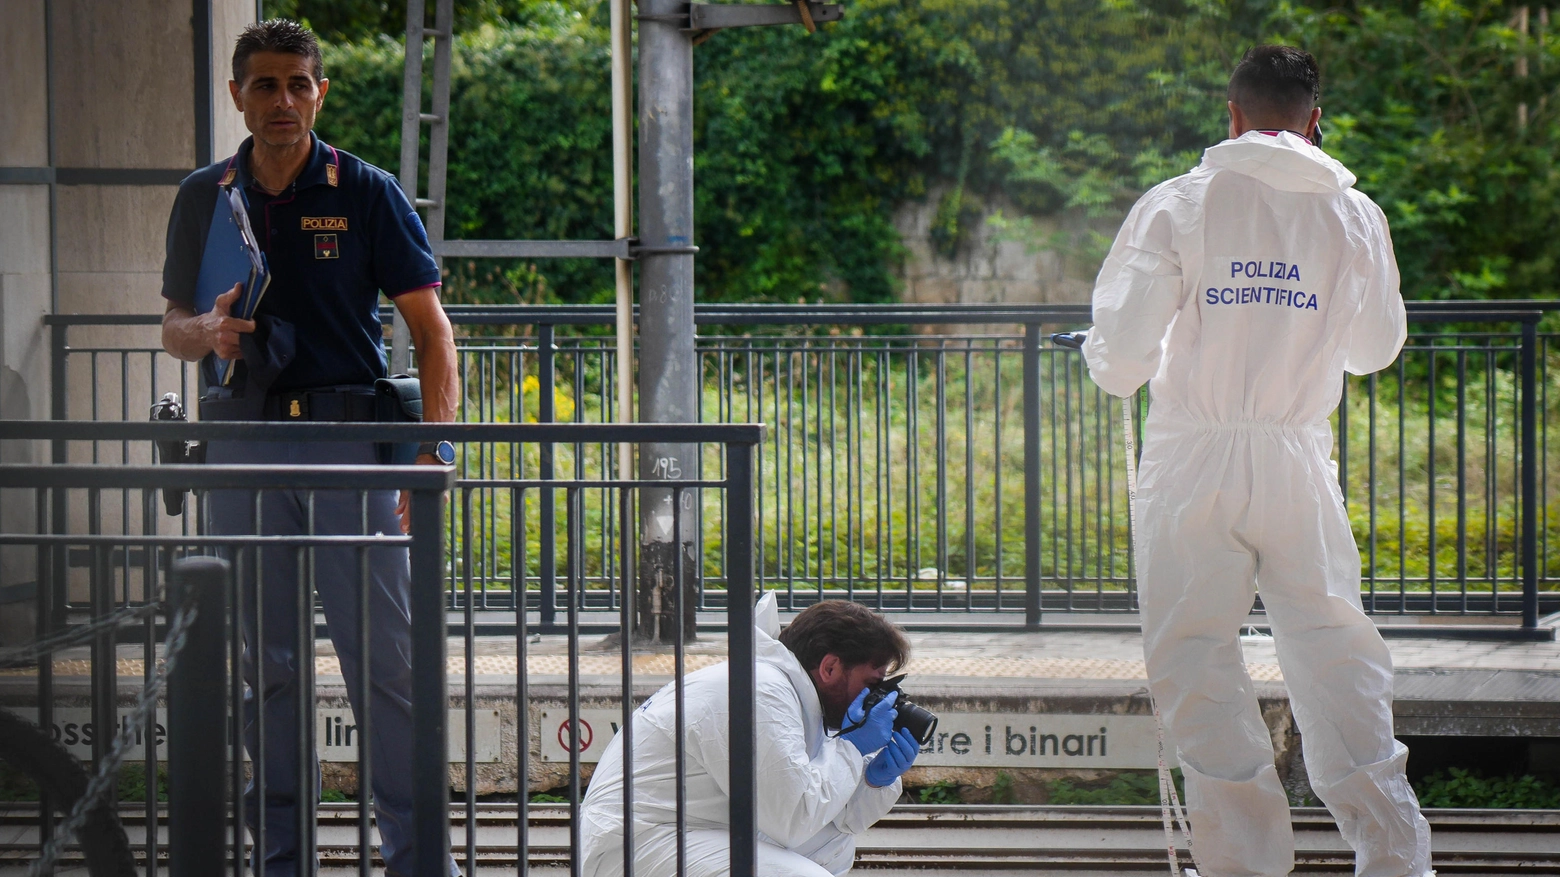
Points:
x=196 y=810
x=679 y=594
x=573 y=550
x=306 y=800
x=469 y=635
x=43 y=626
x=1530 y=475
x=430 y=734
x=517 y=542
x=1032 y=476
x=627 y=543
x=739 y=615
x=105 y=681
x=548 y=559
x=365 y=716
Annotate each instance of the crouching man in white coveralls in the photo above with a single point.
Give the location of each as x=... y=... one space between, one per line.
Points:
x=817 y=787
x=1243 y=291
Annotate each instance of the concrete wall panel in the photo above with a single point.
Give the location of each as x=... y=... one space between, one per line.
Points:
x=125 y=87
x=24 y=114
x=24 y=230
x=117 y=229
x=228 y=19
x=111 y=292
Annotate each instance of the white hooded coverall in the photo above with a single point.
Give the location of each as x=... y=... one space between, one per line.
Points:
x=813 y=797
x=1243 y=291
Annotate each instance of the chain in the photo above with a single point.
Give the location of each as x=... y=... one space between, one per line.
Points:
x=108 y=771
x=75 y=636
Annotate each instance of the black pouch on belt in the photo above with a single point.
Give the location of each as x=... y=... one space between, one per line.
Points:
x=397 y=399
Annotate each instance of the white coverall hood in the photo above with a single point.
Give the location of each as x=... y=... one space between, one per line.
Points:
x=1243 y=291
x=812 y=794
x=1293 y=166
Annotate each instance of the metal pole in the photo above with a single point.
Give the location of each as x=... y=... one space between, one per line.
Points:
x=740 y=681
x=1032 y=475
x=1530 y=475
x=623 y=219
x=430 y=734
x=196 y=733
x=411 y=136
x=668 y=374
x=439 y=123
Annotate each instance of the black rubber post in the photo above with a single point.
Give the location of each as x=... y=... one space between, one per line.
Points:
x=197 y=733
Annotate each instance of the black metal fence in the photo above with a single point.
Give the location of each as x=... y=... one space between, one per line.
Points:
x=941 y=460
x=77 y=512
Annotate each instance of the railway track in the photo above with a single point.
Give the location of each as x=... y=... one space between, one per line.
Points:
x=930 y=841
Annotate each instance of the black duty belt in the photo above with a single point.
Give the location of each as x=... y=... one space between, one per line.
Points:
x=331 y=405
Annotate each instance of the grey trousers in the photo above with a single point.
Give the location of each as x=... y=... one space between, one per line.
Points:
x=271 y=659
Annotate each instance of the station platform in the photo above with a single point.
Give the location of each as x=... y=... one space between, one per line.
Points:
x=1035 y=705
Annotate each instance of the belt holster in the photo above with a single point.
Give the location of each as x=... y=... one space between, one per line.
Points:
x=397 y=399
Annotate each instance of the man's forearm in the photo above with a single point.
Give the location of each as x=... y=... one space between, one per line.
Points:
x=436 y=374
x=183 y=335
x=434 y=338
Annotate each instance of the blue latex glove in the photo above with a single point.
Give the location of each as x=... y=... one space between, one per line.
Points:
x=873 y=734
x=894 y=760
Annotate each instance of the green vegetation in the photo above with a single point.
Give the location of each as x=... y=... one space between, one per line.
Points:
x=1471 y=788
x=849 y=485
x=1002 y=790
x=1127 y=788
x=1447 y=111
x=17 y=786
x=941 y=792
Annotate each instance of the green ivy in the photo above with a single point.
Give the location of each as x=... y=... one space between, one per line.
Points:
x=1457 y=787
x=1128 y=788
x=807 y=146
x=940 y=792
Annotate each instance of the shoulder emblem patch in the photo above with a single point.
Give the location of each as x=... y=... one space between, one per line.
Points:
x=325 y=247
x=331 y=174
x=227 y=178
x=324 y=223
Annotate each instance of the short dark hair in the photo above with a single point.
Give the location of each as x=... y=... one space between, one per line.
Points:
x=852 y=631
x=1276 y=83
x=276 y=35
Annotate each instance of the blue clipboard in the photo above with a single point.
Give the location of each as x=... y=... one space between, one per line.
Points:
x=232 y=255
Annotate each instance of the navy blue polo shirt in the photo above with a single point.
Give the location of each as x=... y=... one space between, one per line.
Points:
x=338 y=236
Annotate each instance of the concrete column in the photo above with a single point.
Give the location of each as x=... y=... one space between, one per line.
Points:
x=124 y=93
x=24 y=290
x=668 y=365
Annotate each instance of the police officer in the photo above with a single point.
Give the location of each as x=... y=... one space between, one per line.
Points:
x=336 y=232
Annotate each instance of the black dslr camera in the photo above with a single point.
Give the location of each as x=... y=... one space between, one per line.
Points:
x=921 y=721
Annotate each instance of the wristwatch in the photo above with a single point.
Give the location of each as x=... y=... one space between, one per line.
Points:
x=444 y=452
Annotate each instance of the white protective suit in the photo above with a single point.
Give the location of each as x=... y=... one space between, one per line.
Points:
x=1244 y=290
x=812 y=795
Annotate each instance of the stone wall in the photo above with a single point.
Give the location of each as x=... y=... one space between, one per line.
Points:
x=1000 y=256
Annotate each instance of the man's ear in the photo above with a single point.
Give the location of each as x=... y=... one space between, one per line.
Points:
x=233 y=90
x=830 y=668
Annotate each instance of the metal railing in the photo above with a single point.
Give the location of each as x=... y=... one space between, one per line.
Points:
x=940 y=461
x=127 y=565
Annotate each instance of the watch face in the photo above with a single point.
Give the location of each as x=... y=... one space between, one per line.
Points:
x=445 y=451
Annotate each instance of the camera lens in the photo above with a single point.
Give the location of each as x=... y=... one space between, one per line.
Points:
x=920 y=721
